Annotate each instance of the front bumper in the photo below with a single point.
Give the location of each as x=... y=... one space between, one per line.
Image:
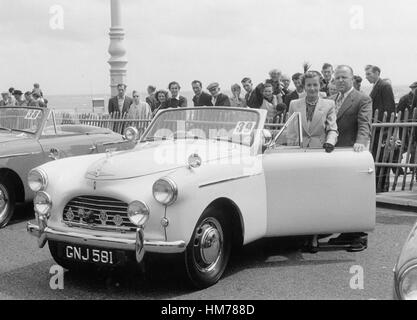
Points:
x=139 y=244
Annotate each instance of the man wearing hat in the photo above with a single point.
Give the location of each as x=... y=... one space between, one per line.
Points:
x=218 y=99
x=406 y=102
x=20 y=102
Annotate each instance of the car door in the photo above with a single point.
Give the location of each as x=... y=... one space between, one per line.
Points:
x=312 y=192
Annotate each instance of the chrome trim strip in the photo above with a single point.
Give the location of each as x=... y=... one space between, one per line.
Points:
x=100 y=227
x=226 y=180
x=105 y=241
x=20 y=155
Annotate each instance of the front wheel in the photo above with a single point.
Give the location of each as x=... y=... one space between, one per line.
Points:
x=7 y=201
x=208 y=252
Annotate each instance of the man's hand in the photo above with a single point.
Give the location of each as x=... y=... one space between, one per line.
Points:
x=359 y=147
x=328 y=147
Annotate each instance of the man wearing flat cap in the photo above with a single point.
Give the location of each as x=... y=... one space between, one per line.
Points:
x=218 y=99
x=406 y=102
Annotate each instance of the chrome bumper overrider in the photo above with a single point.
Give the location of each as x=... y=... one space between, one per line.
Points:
x=139 y=245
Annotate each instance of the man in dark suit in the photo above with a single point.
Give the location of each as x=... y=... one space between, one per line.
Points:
x=218 y=99
x=382 y=94
x=406 y=102
x=297 y=79
x=354 y=120
x=176 y=100
x=121 y=103
x=383 y=101
x=254 y=96
x=354 y=112
x=201 y=98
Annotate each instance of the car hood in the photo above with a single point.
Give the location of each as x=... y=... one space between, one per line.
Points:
x=159 y=157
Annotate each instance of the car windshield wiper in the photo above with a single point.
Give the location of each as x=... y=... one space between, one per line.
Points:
x=24 y=131
x=7 y=129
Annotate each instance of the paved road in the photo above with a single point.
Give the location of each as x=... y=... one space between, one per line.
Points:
x=262 y=271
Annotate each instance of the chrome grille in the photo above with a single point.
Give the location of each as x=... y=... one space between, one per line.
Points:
x=95 y=212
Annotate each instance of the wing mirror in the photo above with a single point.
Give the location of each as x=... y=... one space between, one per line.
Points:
x=131 y=134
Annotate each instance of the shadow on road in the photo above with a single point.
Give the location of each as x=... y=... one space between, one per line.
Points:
x=161 y=281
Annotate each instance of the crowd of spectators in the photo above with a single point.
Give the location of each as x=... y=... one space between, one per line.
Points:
x=14 y=97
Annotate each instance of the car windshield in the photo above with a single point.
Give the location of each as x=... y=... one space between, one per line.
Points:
x=28 y=120
x=229 y=124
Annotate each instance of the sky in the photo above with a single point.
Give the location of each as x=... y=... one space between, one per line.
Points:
x=208 y=40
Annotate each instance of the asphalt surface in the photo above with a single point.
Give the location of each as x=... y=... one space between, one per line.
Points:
x=268 y=270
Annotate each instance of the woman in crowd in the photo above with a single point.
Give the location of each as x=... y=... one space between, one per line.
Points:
x=139 y=109
x=273 y=104
x=162 y=101
x=318 y=117
x=236 y=101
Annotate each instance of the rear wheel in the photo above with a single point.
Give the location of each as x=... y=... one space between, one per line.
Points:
x=208 y=252
x=7 y=201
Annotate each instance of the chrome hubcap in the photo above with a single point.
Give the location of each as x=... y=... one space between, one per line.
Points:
x=208 y=245
x=4 y=202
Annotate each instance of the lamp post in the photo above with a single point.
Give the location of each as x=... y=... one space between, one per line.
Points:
x=117 y=50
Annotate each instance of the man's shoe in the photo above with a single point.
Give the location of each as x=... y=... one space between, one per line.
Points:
x=357 y=241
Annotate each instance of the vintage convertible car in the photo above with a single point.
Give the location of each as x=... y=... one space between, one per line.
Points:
x=405 y=270
x=31 y=136
x=200 y=182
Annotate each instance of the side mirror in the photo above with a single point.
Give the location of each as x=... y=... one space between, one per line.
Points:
x=131 y=134
x=267 y=139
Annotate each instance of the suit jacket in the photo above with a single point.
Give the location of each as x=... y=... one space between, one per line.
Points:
x=290 y=97
x=383 y=99
x=254 y=99
x=204 y=100
x=114 y=105
x=174 y=103
x=323 y=128
x=222 y=101
x=354 y=119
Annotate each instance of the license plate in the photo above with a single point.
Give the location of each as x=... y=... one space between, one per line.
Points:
x=89 y=255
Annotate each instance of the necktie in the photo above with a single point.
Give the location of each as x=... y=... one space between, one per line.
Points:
x=339 y=101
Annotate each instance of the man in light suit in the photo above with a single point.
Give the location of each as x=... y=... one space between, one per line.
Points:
x=121 y=103
x=318 y=117
x=354 y=120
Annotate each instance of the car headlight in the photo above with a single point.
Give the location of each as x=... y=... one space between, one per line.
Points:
x=42 y=203
x=138 y=213
x=132 y=134
x=165 y=191
x=408 y=283
x=37 y=180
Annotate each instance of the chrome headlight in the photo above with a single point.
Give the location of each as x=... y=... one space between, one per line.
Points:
x=138 y=213
x=42 y=203
x=37 y=180
x=165 y=191
x=408 y=283
x=131 y=134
